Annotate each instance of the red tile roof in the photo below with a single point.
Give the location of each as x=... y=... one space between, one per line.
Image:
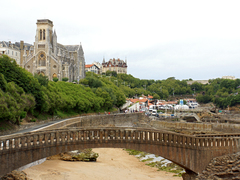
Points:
x=88 y=65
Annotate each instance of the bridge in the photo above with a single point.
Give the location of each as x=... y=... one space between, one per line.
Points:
x=190 y=152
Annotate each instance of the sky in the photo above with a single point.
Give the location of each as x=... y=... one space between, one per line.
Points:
x=158 y=38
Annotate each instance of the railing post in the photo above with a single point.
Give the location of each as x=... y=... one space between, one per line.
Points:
x=16 y=142
x=193 y=142
x=131 y=136
x=52 y=138
x=106 y=136
x=101 y=133
x=29 y=137
x=10 y=143
x=117 y=135
x=121 y=135
x=57 y=137
x=150 y=136
x=141 y=136
x=4 y=145
x=23 y=140
x=160 y=137
x=155 y=137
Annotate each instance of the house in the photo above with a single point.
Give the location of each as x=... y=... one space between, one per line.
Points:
x=10 y=49
x=92 y=68
x=117 y=65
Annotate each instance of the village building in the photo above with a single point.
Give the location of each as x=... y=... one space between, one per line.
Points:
x=120 y=66
x=92 y=68
x=10 y=49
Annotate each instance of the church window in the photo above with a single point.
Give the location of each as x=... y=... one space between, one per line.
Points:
x=40 y=34
x=54 y=75
x=28 y=67
x=54 y=66
x=42 y=59
x=44 y=34
x=41 y=72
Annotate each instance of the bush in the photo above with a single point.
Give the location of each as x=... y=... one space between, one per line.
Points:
x=23 y=114
x=65 y=79
x=55 y=79
x=33 y=120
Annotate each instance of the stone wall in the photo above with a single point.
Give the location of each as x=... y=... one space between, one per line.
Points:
x=118 y=120
x=181 y=125
x=222 y=127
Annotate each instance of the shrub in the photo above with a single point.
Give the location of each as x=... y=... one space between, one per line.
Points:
x=65 y=79
x=55 y=79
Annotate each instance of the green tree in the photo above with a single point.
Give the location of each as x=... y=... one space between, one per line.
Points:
x=111 y=73
x=65 y=79
x=55 y=79
x=43 y=80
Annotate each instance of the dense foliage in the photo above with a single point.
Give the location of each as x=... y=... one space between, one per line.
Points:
x=21 y=92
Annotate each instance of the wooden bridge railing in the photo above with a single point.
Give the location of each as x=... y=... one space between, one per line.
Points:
x=106 y=135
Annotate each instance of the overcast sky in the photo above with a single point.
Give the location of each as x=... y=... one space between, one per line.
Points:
x=159 y=38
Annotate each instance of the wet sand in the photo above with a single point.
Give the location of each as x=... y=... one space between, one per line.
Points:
x=111 y=164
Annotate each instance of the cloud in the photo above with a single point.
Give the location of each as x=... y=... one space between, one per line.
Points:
x=160 y=39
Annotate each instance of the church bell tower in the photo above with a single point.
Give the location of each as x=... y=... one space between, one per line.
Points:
x=43 y=45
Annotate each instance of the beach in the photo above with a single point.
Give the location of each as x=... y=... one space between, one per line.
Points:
x=112 y=163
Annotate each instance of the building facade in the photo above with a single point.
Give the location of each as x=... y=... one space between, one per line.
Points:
x=10 y=49
x=92 y=68
x=49 y=58
x=117 y=65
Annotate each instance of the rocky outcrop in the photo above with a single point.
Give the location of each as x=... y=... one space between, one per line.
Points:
x=15 y=175
x=84 y=155
x=222 y=168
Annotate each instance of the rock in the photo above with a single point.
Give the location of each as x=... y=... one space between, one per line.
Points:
x=15 y=175
x=85 y=155
x=223 y=167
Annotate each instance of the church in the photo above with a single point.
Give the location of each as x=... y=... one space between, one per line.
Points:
x=50 y=58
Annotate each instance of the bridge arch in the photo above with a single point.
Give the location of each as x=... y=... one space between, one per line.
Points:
x=186 y=151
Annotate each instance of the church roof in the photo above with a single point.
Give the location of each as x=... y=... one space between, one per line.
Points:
x=16 y=45
x=61 y=46
x=71 y=47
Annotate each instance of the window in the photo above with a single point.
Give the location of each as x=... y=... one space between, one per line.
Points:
x=8 y=51
x=42 y=59
x=44 y=34
x=12 y=52
x=16 y=53
x=40 y=34
x=54 y=75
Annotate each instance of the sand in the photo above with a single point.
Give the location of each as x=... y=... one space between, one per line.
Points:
x=111 y=164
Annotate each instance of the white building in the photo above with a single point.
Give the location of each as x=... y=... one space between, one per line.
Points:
x=92 y=68
x=10 y=49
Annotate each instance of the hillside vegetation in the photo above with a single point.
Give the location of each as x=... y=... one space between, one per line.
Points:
x=21 y=93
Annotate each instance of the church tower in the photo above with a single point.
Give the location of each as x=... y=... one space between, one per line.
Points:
x=50 y=58
x=43 y=45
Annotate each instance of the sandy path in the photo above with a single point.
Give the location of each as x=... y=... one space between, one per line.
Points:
x=112 y=164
